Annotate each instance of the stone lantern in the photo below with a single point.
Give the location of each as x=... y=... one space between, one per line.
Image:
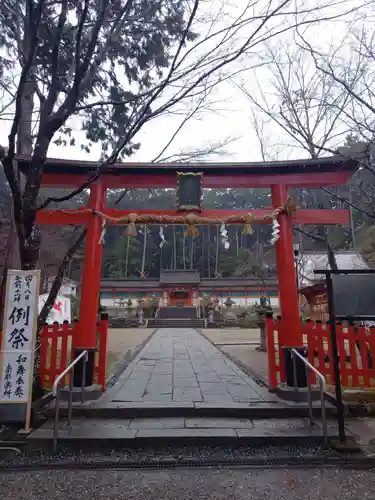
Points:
x=129 y=303
x=230 y=317
x=140 y=311
x=229 y=303
x=261 y=310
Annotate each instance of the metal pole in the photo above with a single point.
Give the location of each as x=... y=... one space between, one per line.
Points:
x=324 y=416
x=294 y=370
x=336 y=361
x=56 y=423
x=70 y=404
x=309 y=396
x=83 y=378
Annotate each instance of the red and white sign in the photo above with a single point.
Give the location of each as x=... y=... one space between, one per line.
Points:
x=61 y=309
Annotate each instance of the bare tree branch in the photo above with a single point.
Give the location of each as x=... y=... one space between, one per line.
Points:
x=56 y=285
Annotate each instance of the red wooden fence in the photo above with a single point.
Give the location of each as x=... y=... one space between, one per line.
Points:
x=356 y=346
x=57 y=343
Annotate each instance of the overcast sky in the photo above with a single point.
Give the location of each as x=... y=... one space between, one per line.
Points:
x=231 y=117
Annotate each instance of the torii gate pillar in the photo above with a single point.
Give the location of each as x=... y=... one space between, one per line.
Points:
x=88 y=311
x=291 y=334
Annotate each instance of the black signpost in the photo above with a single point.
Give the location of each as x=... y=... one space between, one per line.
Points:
x=348 y=299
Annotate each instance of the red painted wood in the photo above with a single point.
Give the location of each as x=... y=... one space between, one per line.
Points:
x=291 y=333
x=323 y=216
x=125 y=289
x=345 y=369
x=91 y=274
x=53 y=353
x=329 y=371
x=353 y=357
x=318 y=340
x=362 y=338
x=169 y=180
x=64 y=347
x=43 y=354
x=303 y=216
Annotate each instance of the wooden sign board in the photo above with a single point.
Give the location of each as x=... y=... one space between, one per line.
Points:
x=354 y=295
x=18 y=345
x=189 y=193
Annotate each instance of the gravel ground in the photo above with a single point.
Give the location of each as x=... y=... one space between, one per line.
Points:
x=202 y=484
x=69 y=456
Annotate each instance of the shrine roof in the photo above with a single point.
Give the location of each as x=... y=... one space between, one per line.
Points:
x=325 y=164
x=169 y=277
x=205 y=283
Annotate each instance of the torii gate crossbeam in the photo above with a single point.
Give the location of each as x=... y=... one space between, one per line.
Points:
x=333 y=171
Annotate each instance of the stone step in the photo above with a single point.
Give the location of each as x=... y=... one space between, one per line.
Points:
x=175 y=323
x=150 y=431
x=173 y=409
x=172 y=312
x=123 y=322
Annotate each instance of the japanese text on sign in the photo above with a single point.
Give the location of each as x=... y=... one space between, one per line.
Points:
x=19 y=336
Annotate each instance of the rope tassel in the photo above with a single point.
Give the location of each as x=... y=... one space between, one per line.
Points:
x=248 y=228
x=192 y=229
x=132 y=230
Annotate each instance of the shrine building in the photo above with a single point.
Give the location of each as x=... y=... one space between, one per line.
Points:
x=186 y=288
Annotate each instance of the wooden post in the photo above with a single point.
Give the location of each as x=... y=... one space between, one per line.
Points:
x=87 y=332
x=291 y=334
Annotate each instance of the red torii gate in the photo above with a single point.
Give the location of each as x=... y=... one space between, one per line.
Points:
x=279 y=176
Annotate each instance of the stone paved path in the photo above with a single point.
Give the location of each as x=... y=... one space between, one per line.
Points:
x=182 y=366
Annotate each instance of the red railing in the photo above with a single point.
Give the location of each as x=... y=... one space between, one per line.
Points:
x=57 y=343
x=55 y=351
x=356 y=347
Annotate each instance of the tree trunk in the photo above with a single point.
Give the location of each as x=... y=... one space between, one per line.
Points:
x=331 y=258
x=57 y=282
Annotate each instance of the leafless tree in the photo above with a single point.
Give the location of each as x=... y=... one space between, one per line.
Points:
x=297 y=102
x=351 y=67
x=298 y=99
x=72 y=57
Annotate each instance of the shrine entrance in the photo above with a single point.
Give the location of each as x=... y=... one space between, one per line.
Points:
x=180 y=297
x=190 y=179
